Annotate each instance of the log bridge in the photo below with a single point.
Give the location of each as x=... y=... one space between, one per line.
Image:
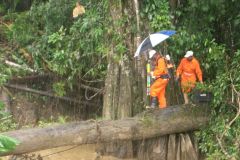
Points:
x=149 y=124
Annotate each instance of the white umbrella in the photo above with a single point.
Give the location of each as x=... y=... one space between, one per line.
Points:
x=152 y=40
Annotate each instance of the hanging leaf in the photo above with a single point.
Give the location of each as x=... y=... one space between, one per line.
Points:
x=78 y=10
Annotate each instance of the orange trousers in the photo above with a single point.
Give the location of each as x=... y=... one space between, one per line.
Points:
x=158 y=90
x=188 y=83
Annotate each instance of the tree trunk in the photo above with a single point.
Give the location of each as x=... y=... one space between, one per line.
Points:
x=118 y=83
x=173 y=4
x=149 y=124
x=168 y=147
x=139 y=65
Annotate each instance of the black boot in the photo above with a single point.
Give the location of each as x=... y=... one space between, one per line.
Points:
x=154 y=102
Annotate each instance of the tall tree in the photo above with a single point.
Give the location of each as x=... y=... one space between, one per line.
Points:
x=121 y=83
x=118 y=99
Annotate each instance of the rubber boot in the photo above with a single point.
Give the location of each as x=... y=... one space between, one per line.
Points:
x=154 y=102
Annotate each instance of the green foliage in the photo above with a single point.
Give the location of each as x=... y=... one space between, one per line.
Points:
x=59 y=88
x=218 y=18
x=4 y=77
x=9 y=5
x=208 y=28
x=220 y=140
x=7 y=144
x=2 y=9
x=70 y=48
x=22 y=30
x=157 y=13
x=62 y=119
x=6 y=121
x=71 y=53
x=50 y=16
x=58 y=61
x=5 y=71
x=1 y=105
x=59 y=120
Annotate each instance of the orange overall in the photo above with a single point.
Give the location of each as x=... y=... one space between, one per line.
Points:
x=158 y=87
x=189 y=71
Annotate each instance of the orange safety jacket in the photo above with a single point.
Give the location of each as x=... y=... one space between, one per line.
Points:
x=159 y=86
x=160 y=68
x=190 y=71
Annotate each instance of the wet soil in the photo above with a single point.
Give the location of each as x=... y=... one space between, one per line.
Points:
x=83 y=152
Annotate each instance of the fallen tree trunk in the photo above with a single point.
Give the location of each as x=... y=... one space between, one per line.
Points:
x=152 y=123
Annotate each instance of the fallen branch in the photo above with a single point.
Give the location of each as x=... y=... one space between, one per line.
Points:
x=19 y=66
x=220 y=138
x=36 y=78
x=222 y=148
x=31 y=78
x=238 y=110
x=44 y=93
x=99 y=91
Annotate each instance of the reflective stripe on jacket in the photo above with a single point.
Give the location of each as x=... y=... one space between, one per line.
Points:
x=189 y=70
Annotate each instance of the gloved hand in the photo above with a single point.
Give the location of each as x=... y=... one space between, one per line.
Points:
x=153 y=77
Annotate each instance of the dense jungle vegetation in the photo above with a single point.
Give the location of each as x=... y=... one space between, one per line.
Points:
x=43 y=36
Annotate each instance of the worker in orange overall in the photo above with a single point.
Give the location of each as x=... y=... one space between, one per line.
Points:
x=161 y=78
x=189 y=70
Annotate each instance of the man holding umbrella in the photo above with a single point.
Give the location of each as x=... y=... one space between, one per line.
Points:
x=161 y=78
x=157 y=89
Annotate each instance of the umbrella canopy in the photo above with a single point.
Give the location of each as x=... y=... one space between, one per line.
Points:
x=152 y=40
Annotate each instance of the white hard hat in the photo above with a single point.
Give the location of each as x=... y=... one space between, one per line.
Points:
x=151 y=53
x=168 y=57
x=188 y=54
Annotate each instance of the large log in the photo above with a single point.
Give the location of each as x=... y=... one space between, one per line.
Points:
x=152 y=123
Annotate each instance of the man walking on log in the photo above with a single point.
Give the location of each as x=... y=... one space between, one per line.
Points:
x=189 y=70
